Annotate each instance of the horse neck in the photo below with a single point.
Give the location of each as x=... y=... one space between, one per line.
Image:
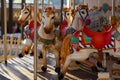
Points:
x=70 y=20
x=77 y=23
x=32 y=17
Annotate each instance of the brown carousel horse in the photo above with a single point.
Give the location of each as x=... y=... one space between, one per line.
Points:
x=47 y=36
x=27 y=15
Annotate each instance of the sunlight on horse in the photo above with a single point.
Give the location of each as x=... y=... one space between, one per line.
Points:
x=27 y=15
x=47 y=37
x=72 y=53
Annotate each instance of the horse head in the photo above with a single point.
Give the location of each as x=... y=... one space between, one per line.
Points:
x=68 y=15
x=81 y=17
x=49 y=19
x=27 y=14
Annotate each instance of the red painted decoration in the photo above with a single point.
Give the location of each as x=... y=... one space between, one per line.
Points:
x=99 y=39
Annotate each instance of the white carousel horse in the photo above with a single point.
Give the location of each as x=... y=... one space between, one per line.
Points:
x=80 y=19
x=27 y=15
x=73 y=54
x=74 y=49
x=47 y=37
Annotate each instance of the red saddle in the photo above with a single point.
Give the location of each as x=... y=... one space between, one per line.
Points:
x=99 y=39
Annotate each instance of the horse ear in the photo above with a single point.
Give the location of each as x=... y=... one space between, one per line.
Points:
x=44 y=8
x=24 y=5
x=54 y=8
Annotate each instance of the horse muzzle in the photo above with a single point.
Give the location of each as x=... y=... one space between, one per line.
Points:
x=21 y=21
x=47 y=30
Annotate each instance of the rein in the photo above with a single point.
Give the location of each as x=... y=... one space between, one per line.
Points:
x=28 y=15
x=81 y=15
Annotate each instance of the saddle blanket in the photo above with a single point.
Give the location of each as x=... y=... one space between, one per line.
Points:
x=85 y=42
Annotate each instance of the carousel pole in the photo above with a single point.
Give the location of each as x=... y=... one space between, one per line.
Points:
x=73 y=4
x=61 y=10
x=35 y=39
x=70 y=3
x=83 y=2
x=48 y=3
x=42 y=7
x=113 y=7
x=5 y=33
x=98 y=4
x=112 y=18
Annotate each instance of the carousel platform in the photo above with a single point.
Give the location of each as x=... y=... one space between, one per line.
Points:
x=22 y=69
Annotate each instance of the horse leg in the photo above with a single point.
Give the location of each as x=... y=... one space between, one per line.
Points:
x=99 y=60
x=57 y=58
x=44 y=67
x=68 y=60
x=22 y=53
x=75 y=56
x=32 y=50
x=91 y=65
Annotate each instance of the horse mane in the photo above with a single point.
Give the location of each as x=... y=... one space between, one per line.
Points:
x=49 y=10
x=118 y=22
x=65 y=49
x=81 y=6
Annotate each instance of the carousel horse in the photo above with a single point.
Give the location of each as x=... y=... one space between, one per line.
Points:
x=47 y=37
x=67 y=21
x=27 y=15
x=101 y=43
x=67 y=27
x=78 y=48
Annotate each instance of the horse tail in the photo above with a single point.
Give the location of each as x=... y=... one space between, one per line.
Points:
x=65 y=49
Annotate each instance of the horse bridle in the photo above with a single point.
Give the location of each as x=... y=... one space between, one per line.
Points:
x=28 y=14
x=51 y=18
x=79 y=11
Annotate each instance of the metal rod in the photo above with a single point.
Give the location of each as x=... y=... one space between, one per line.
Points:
x=5 y=32
x=70 y=3
x=83 y=2
x=35 y=38
x=48 y=3
x=98 y=4
x=113 y=7
x=74 y=4
x=104 y=62
x=42 y=7
x=61 y=10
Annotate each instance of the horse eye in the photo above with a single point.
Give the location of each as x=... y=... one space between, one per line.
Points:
x=68 y=14
x=53 y=17
x=26 y=12
x=82 y=12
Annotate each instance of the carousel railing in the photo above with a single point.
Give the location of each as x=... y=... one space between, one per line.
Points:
x=13 y=46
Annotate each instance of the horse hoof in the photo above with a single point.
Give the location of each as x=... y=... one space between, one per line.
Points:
x=26 y=52
x=77 y=62
x=94 y=69
x=99 y=65
x=40 y=56
x=57 y=69
x=60 y=76
x=43 y=69
x=32 y=54
x=118 y=62
x=20 y=55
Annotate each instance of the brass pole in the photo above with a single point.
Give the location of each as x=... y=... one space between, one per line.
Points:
x=48 y=3
x=35 y=39
x=5 y=32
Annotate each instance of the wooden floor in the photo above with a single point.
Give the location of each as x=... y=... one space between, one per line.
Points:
x=22 y=69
